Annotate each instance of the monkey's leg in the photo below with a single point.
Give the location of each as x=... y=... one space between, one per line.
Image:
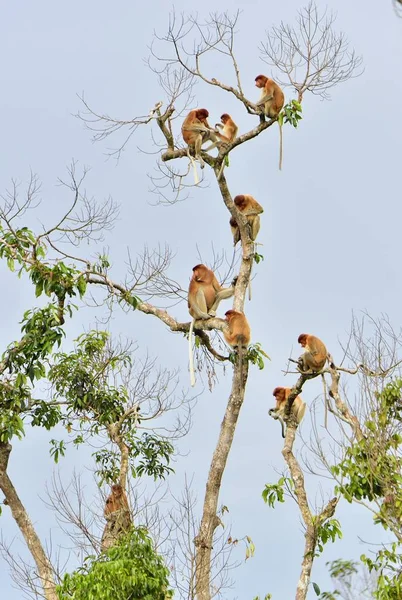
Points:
x=223 y=294
x=197 y=147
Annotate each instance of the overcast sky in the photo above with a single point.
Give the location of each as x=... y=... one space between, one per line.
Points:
x=330 y=234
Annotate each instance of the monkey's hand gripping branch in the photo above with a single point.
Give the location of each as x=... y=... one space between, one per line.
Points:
x=171 y=154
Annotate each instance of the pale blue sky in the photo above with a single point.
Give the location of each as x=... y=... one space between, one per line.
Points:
x=330 y=232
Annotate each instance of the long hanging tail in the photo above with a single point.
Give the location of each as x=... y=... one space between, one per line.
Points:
x=193 y=164
x=249 y=282
x=190 y=353
x=280 y=146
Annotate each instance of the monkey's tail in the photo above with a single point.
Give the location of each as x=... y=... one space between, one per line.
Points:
x=190 y=353
x=221 y=170
x=193 y=164
x=280 y=146
x=283 y=426
x=249 y=283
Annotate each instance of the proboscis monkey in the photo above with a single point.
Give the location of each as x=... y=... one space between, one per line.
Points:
x=273 y=99
x=227 y=134
x=251 y=209
x=204 y=296
x=298 y=407
x=116 y=501
x=237 y=334
x=196 y=131
x=315 y=354
x=228 y=128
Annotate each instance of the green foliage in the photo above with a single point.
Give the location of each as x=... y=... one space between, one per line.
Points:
x=291 y=113
x=255 y=355
x=17 y=245
x=81 y=377
x=57 y=449
x=258 y=257
x=149 y=455
x=155 y=454
x=341 y=569
x=59 y=280
x=266 y=597
x=275 y=492
x=26 y=363
x=131 y=570
x=388 y=566
x=372 y=467
x=329 y=595
x=328 y=531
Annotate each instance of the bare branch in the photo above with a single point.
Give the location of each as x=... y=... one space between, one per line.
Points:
x=311 y=56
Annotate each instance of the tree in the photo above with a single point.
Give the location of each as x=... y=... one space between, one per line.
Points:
x=310 y=57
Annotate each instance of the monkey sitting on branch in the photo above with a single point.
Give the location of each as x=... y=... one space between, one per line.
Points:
x=117 y=515
x=281 y=395
x=204 y=296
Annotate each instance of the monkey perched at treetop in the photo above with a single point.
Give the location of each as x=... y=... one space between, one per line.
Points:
x=272 y=99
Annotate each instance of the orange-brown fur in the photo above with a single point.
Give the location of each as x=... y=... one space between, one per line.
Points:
x=204 y=296
x=315 y=354
x=251 y=209
x=195 y=126
x=272 y=99
x=205 y=293
x=238 y=332
x=298 y=407
x=228 y=128
x=117 y=500
x=272 y=96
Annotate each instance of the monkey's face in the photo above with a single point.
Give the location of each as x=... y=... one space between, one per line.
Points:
x=202 y=114
x=200 y=273
x=302 y=339
x=240 y=202
x=225 y=118
x=117 y=489
x=259 y=81
x=230 y=315
x=279 y=394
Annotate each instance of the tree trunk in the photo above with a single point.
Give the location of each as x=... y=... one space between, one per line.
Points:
x=20 y=516
x=210 y=520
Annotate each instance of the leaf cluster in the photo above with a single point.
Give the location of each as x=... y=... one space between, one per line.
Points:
x=131 y=569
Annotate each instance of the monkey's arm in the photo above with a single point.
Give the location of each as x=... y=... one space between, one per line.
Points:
x=265 y=99
x=275 y=415
x=221 y=295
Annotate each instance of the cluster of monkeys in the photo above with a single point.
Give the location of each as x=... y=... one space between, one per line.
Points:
x=312 y=360
x=196 y=130
x=205 y=292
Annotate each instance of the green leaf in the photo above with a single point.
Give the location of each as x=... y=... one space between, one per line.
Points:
x=316 y=588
